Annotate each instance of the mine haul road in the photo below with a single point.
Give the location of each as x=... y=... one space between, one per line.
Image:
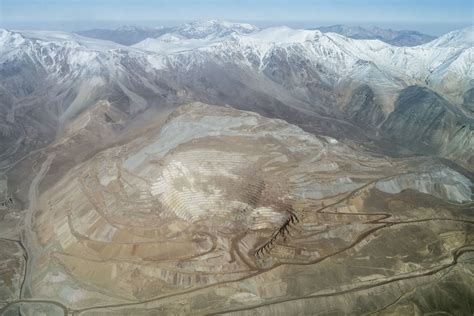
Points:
x=30 y=245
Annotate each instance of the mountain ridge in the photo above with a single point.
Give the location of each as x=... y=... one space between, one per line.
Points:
x=130 y=35
x=290 y=71
x=390 y=36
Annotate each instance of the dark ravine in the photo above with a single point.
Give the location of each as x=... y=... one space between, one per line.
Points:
x=468 y=100
x=363 y=109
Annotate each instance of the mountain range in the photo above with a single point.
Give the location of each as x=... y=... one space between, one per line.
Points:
x=129 y=35
x=393 y=37
x=298 y=75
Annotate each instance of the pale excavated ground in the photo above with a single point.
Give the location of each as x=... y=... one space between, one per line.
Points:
x=223 y=211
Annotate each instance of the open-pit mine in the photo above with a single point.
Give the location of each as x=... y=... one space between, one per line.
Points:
x=220 y=179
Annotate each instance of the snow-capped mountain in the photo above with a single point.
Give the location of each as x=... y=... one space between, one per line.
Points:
x=129 y=35
x=341 y=58
x=393 y=37
x=463 y=38
x=194 y=35
x=441 y=64
x=64 y=73
x=213 y=28
x=302 y=76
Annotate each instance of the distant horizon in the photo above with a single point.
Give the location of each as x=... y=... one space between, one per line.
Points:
x=434 y=17
x=435 y=29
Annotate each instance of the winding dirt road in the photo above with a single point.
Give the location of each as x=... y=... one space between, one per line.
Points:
x=382 y=220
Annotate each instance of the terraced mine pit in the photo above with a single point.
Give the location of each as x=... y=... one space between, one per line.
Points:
x=219 y=211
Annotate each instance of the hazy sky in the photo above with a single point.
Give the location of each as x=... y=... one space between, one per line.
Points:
x=432 y=16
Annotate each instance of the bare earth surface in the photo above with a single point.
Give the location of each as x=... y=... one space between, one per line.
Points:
x=211 y=210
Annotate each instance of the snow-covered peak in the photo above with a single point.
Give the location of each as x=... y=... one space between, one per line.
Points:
x=195 y=35
x=283 y=34
x=213 y=28
x=9 y=38
x=63 y=54
x=70 y=39
x=172 y=43
x=261 y=40
x=3 y=33
x=171 y=37
x=463 y=38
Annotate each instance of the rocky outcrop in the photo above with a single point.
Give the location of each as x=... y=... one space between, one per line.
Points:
x=363 y=109
x=428 y=124
x=468 y=99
